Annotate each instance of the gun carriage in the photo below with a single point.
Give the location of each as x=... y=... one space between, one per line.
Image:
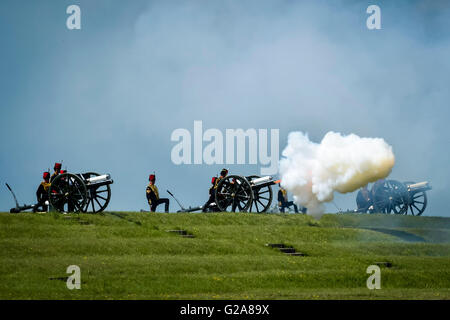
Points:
x=391 y=196
x=81 y=192
x=244 y=194
x=252 y=193
x=68 y=192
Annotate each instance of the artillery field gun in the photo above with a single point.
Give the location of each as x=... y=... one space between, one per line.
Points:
x=81 y=192
x=391 y=196
x=240 y=193
x=245 y=193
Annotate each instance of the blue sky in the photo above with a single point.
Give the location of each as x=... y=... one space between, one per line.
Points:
x=107 y=97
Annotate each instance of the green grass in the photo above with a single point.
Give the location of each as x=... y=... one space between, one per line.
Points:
x=132 y=256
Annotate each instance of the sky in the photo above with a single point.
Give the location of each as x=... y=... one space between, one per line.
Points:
x=107 y=97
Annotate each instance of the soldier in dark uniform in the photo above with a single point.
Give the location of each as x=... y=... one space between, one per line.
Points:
x=153 y=195
x=57 y=171
x=364 y=200
x=42 y=193
x=379 y=188
x=211 y=199
x=70 y=204
x=283 y=201
x=235 y=201
x=212 y=190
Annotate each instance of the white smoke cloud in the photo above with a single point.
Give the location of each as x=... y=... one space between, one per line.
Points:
x=312 y=172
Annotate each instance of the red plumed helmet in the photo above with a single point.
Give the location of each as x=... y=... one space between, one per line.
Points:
x=57 y=166
x=46 y=175
x=151 y=177
x=213 y=180
x=62 y=171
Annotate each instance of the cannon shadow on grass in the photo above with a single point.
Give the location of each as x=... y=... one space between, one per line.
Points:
x=406 y=236
x=123 y=216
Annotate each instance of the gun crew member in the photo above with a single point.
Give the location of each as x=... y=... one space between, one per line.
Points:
x=153 y=195
x=42 y=193
x=70 y=204
x=364 y=200
x=283 y=201
x=57 y=171
x=379 y=186
x=212 y=190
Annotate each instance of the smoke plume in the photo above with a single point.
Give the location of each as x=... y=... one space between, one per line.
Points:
x=312 y=172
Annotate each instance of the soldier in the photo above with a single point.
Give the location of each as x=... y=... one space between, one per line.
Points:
x=70 y=204
x=212 y=190
x=364 y=200
x=57 y=171
x=42 y=193
x=379 y=187
x=153 y=195
x=283 y=201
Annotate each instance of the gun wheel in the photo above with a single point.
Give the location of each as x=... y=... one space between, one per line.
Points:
x=390 y=196
x=417 y=201
x=262 y=197
x=68 y=193
x=98 y=197
x=363 y=202
x=235 y=192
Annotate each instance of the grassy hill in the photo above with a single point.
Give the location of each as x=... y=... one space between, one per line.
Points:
x=125 y=255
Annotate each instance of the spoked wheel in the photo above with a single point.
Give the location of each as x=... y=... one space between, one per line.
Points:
x=417 y=201
x=235 y=192
x=97 y=197
x=68 y=193
x=363 y=202
x=390 y=196
x=262 y=197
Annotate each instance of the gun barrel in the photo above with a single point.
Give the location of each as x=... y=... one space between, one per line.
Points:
x=258 y=181
x=263 y=182
x=99 y=179
x=420 y=186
